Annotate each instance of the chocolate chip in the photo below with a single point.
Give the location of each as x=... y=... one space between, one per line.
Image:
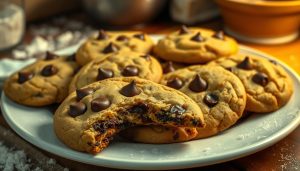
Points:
x=71 y=57
x=130 y=70
x=177 y=109
x=130 y=90
x=140 y=109
x=245 y=64
x=184 y=30
x=81 y=93
x=273 y=62
x=50 y=56
x=100 y=103
x=219 y=35
x=175 y=83
x=230 y=69
x=147 y=57
x=122 y=38
x=168 y=67
x=260 y=78
x=102 y=35
x=77 y=108
x=24 y=76
x=110 y=48
x=104 y=73
x=139 y=36
x=49 y=70
x=198 y=84
x=197 y=38
x=211 y=99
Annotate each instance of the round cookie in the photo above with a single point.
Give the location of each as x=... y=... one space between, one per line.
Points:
x=195 y=45
x=42 y=83
x=267 y=85
x=219 y=93
x=108 y=42
x=89 y=118
x=154 y=134
x=118 y=64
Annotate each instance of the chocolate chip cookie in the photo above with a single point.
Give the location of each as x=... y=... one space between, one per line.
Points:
x=106 y=43
x=195 y=45
x=267 y=84
x=89 y=118
x=120 y=64
x=42 y=83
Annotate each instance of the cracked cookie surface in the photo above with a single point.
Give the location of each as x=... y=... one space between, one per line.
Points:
x=219 y=93
x=42 y=83
x=267 y=84
x=106 y=43
x=119 y=64
x=195 y=45
x=89 y=118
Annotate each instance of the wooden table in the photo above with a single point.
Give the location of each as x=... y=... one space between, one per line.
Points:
x=284 y=155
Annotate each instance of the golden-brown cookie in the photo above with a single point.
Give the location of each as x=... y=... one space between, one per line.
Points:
x=267 y=84
x=119 y=64
x=42 y=83
x=109 y=42
x=195 y=45
x=89 y=118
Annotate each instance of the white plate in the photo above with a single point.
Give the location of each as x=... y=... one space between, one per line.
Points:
x=251 y=135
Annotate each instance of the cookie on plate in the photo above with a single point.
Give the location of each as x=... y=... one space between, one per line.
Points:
x=42 y=83
x=219 y=93
x=89 y=118
x=106 y=43
x=267 y=84
x=117 y=65
x=154 y=134
x=195 y=45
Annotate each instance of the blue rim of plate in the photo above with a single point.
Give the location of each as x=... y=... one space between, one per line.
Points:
x=171 y=163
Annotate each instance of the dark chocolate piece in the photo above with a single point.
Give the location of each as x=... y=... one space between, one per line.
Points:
x=77 y=109
x=49 y=70
x=219 y=35
x=261 y=79
x=197 y=38
x=175 y=83
x=177 y=109
x=102 y=35
x=122 y=38
x=183 y=30
x=140 y=36
x=168 y=67
x=104 y=74
x=24 y=76
x=110 y=48
x=130 y=70
x=198 y=84
x=147 y=57
x=50 y=56
x=211 y=99
x=245 y=64
x=100 y=103
x=130 y=90
x=81 y=93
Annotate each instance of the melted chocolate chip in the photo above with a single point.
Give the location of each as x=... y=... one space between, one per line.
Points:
x=103 y=126
x=168 y=67
x=175 y=83
x=261 y=79
x=100 y=103
x=49 y=70
x=147 y=57
x=102 y=35
x=110 y=48
x=177 y=109
x=139 y=36
x=245 y=64
x=81 y=93
x=198 y=84
x=183 y=30
x=197 y=38
x=219 y=35
x=77 y=109
x=50 y=56
x=130 y=90
x=104 y=74
x=130 y=70
x=24 y=76
x=211 y=99
x=122 y=38
x=140 y=109
x=229 y=69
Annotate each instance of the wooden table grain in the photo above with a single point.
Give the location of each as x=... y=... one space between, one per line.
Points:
x=284 y=155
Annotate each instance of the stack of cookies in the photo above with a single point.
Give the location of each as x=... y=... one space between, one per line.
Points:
x=192 y=84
